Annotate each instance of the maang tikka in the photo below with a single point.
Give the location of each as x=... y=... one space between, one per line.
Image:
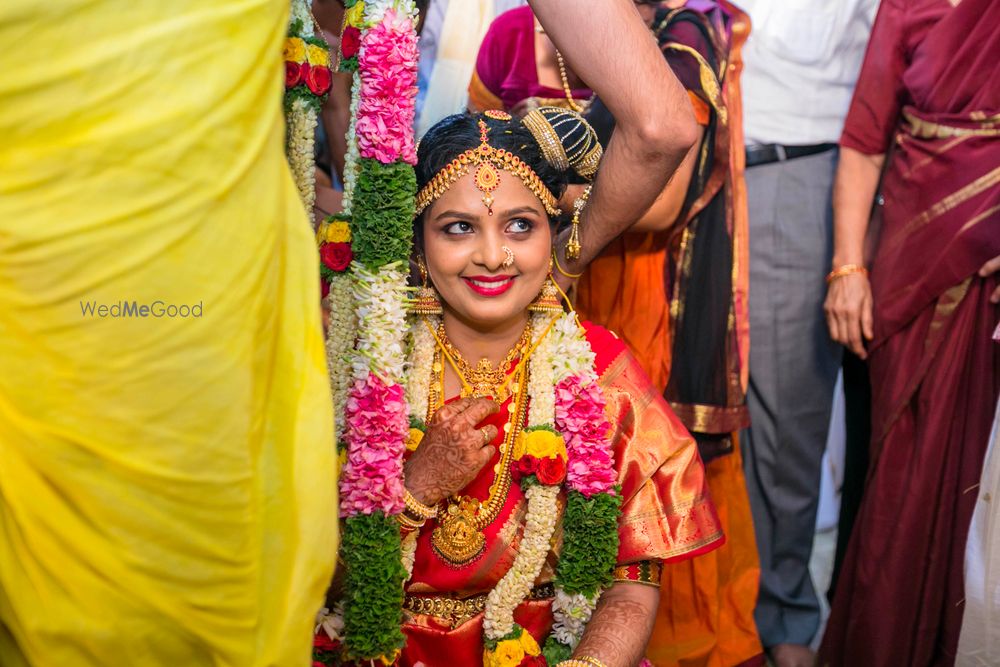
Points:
x=487 y=176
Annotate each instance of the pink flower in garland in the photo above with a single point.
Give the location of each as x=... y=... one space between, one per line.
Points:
x=377 y=427
x=579 y=408
x=388 y=68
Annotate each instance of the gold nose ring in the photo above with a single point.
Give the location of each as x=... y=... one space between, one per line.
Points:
x=509 y=260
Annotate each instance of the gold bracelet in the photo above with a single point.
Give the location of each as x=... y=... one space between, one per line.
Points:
x=582 y=661
x=417 y=508
x=555 y=261
x=845 y=270
x=409 y=524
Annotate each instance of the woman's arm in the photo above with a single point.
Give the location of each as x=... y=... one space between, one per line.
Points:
x=655 y=125
x=619 y=630
x=849 y=298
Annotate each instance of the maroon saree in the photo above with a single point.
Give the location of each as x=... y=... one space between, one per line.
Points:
x=929 y=96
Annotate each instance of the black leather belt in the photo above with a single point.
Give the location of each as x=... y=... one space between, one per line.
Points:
x=766 y=153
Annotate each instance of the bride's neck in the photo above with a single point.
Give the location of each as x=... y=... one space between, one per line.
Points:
x=477 y=343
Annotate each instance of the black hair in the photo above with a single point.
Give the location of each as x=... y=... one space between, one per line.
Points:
x=456 y=134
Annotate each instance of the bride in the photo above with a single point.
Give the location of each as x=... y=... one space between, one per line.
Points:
x=546 y=481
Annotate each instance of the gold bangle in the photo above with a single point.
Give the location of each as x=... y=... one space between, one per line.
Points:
x=409 y=524
x=582 y=661
x=555 y=261
x=417 y=508
x=845 y=270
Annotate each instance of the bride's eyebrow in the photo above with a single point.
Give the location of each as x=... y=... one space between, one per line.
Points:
x=517 y=210
x=461 y=215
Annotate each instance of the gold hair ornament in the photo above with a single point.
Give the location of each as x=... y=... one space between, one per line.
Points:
x=566 y=139
x=488 y=160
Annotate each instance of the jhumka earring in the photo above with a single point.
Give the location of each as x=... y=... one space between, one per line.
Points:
x=573 y=244
x=549 y=299
x=426 y=301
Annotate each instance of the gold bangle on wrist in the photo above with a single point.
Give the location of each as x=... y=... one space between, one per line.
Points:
x=417 y=508
x=845 y=270
x=555 y=262
x=582 y=661
x=408 y=524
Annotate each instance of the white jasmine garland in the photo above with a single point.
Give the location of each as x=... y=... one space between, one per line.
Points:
x=572 y=354
x=510 y=591
x=541 y=409
x=340 y=342
x=299 y=11
x=571 y=613
x=379 y=302
x=351 y=157
x=301 y=144
x=418 y=367
x=331 y=621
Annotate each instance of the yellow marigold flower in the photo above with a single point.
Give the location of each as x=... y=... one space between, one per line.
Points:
x=508 y=653
x=542 y=444
x=414 y=439
x=295 y=50
x=355 y=16
x=342 y=457
x=338 y=232
x=389 y=659
x=529 y=644
x=317 y=55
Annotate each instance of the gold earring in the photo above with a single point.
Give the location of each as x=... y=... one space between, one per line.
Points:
x=548 y=300
x=573 y=244
x=427 y=301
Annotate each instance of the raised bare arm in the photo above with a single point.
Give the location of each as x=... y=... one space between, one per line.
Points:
x=620 y=61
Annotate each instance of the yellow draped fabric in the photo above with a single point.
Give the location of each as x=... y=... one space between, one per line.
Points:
x=167 y=484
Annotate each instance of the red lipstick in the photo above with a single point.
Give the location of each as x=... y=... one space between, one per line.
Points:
x=489 y=285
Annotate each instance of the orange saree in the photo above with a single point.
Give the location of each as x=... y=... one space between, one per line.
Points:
x=639 y=287
x=666 y=515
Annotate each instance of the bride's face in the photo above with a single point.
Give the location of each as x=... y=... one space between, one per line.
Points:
x=464 y=244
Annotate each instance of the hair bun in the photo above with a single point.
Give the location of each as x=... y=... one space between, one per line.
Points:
x=566 y=139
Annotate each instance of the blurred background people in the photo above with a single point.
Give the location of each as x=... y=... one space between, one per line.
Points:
x=801 y=62
x=926 y=119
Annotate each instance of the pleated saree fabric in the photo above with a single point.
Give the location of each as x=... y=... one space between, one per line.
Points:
x=167 y=477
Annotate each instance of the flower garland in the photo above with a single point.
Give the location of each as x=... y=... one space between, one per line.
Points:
x=380 y=41
x=307 y=82
x=593 y=505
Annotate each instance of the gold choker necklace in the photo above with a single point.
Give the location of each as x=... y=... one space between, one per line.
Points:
x=482 y=379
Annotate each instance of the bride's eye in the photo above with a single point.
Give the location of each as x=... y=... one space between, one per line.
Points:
x=520 y=226
x=458 y=228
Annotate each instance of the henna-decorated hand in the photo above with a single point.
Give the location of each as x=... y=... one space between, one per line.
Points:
x=452 y=451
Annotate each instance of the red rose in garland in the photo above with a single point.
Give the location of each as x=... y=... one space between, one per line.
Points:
x=524 y=466
x=350 y=42
x=533 y=661
x=336 y=256
x=551 y=470
x=293 y=74
x=318 y=78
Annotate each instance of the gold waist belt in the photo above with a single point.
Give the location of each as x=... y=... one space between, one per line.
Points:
x=457 y=611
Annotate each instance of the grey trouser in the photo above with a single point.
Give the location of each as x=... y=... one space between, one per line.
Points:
x=793 y=369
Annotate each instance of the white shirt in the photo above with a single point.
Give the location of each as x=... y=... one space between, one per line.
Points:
x=800 y=65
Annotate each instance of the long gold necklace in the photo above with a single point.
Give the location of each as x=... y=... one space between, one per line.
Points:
x=563 y=76
x=458 y=538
